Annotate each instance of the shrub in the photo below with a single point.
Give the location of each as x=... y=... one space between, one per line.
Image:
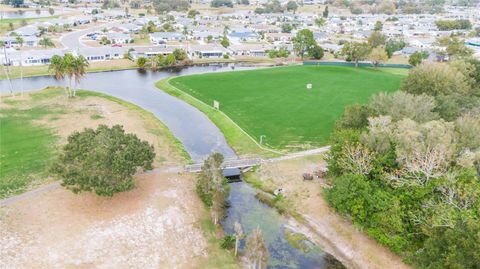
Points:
x=102 y=160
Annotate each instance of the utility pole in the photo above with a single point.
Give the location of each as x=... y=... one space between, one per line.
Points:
x=7 y=70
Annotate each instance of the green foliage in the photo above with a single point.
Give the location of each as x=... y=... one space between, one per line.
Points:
x=410 y=178
x=221 y=3
x=376 y=39
x=102 y=160
x=448 y=25
x=210 y=178
x=272 y=6
x=286 y=28
x=141 y=62
x=164 y=6
x=282 y=52
x=46 y=42
x=417 y=57
x=452 y=248
x=228 y=242
x=304 y=44
x=170 y=60
x=393 y=45
x=355 y=117
x=224 y=42
x=435 y=79
x=325 y=12
x=192 y=13
x=180 y=54
x=355 y=51
x=292 y=6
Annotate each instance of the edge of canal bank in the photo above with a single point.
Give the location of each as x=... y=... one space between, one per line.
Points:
x=241 y=142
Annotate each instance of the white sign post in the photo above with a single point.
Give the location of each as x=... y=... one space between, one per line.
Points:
x=216 y=104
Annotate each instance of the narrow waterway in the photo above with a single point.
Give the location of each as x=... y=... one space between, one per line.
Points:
x=200 y=138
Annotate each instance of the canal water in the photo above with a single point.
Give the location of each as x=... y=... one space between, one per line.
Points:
x=200 y=138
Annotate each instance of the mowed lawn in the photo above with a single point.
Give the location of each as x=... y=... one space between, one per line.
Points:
x=25 y=148
x=276 y=104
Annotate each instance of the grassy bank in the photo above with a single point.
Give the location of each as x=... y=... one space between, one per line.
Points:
x=17 y=22
x=239 y=140
x=31 y=134
x=217 y=257
x=274 y=105
x=31 y=71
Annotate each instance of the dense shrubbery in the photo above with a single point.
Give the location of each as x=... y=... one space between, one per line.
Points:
x=406 y=166
x=221 y=3
x=447 y=25
x=102 y=160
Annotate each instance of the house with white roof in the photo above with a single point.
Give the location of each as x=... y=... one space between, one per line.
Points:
x=101 y=53
x=163 y=37
x=207 y=51
x=255 y=50
x=151 y=51
x=119 y=38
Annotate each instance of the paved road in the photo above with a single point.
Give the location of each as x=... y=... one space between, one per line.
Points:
x=71 y=40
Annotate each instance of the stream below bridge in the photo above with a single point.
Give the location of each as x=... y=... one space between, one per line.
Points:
x=200 y=138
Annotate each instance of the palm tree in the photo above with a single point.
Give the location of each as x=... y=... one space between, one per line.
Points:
x=58 y=68
x=46 y=42
x=69 y=69
x=79 y=67
x=19 y=40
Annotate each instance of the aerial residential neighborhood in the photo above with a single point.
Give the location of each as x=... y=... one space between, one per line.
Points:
x=240 y=134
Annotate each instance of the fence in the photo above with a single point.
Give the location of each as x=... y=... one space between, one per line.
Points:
x=362 y=64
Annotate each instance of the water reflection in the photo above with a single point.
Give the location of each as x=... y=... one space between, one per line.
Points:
x=251 y=214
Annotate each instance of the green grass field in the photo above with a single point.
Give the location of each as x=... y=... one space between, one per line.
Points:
x=275 y=103
x=26 y=148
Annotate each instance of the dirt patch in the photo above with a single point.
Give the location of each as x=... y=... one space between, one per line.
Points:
x=152 y=226
x=339 y=236
x=75 y=114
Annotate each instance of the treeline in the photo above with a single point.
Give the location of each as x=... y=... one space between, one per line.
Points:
x=448 y=25
x=406 y=166
x=159 y=61
x=164 y=6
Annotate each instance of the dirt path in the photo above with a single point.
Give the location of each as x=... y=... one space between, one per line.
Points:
x=339 y=237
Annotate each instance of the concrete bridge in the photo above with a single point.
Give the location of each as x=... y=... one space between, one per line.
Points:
x=245 y=163
x=227 y=164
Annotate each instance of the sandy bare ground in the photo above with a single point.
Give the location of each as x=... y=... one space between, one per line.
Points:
x=333 y=231
x=152 y=226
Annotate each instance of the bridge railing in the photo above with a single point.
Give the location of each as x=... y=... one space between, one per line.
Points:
x=232 y=163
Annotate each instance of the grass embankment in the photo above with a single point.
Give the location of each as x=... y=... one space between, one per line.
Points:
x=274 y=103
x=31 y=71
x=217 y=257
x=29 y=138
x=18 y=22
x=239 y=140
